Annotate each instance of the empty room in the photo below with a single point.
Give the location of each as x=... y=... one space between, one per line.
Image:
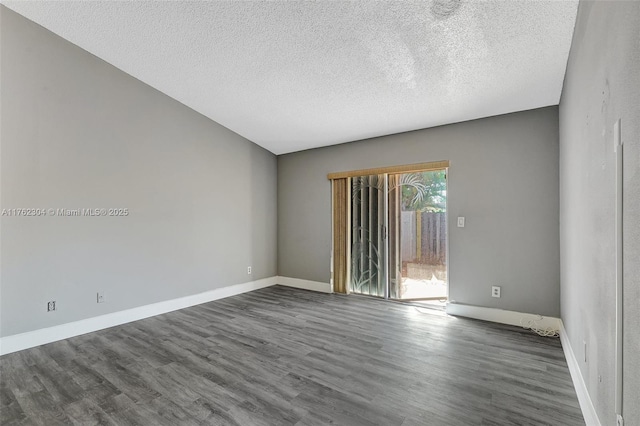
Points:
x=320 y=212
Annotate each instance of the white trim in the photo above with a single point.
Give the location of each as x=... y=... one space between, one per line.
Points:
x=588 y=410
x=305 y=284
x=502 y=316
x=619 y=150
x=30 y=339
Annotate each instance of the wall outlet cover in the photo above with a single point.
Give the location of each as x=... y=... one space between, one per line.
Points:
x=495 y=291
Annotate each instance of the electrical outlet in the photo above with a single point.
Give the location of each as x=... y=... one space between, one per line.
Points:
x=495 y=291
x=51 y=306
x=248 y=270
x=100 y=297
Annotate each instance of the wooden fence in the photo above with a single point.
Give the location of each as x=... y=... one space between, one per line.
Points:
x=424 y=237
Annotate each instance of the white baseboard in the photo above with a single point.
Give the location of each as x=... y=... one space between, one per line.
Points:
x=588 y=410
x=18 y=342
x=305 y=284
x=502 y=316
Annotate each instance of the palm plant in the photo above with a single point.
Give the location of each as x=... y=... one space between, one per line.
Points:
x=424 y=191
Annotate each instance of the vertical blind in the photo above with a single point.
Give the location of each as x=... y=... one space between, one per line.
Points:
x=340 y=224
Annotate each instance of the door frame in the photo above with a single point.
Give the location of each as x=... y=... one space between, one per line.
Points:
x=341 y=224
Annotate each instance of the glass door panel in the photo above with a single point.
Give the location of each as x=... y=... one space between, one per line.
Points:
x=418 y=224
x=368 y=236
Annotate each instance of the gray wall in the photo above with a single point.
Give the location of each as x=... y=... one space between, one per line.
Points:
x=602 y=84
x=77 y=132
x=503 y=179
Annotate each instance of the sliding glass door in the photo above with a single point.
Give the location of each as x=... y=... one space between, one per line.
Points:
x=398 y=235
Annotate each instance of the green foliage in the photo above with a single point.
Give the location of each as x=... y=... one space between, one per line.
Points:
x=424 y=191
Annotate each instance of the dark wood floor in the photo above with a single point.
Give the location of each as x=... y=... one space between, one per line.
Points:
x=281 y=356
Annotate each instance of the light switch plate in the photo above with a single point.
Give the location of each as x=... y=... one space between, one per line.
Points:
x=460 y=222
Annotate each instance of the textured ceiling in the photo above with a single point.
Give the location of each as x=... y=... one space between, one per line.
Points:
x=301 y=74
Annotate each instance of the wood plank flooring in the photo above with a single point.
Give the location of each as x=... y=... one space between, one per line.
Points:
x=282 y=356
